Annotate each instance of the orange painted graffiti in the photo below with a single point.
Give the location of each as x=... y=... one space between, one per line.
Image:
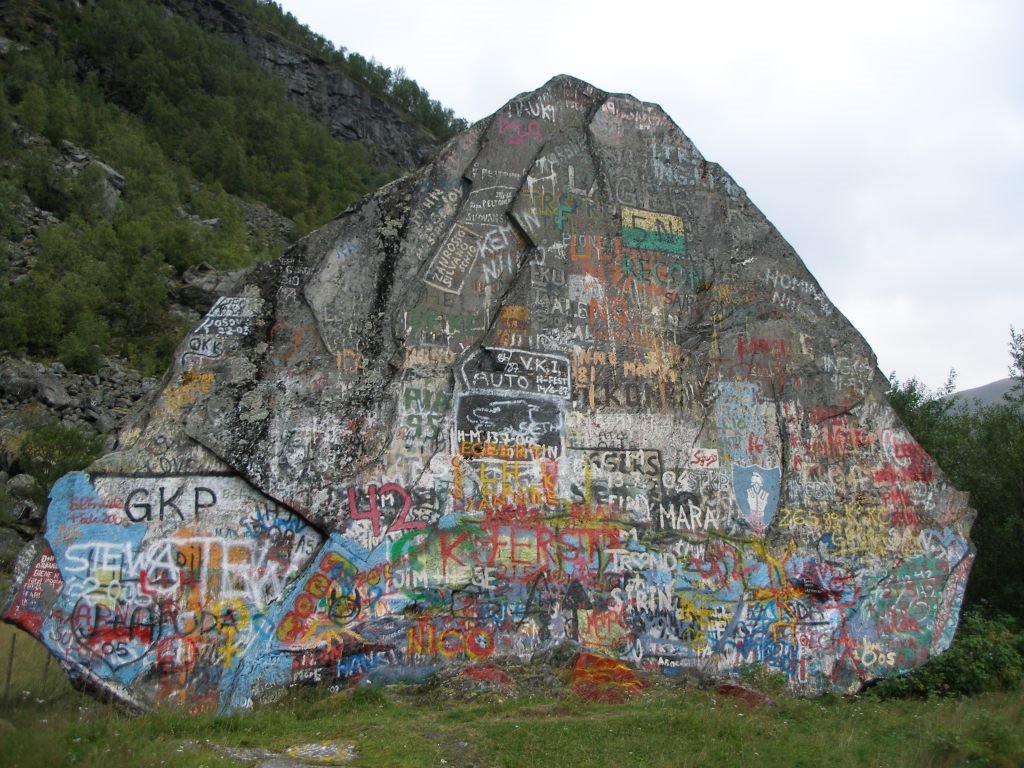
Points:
x=604 y=680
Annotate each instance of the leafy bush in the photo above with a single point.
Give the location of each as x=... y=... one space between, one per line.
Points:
x=986 y=655
x=981 y=452
x=391 y=85
x=167 y=105
x=50 y=449
x=764 y=679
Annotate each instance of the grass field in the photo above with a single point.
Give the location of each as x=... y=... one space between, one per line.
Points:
x=46 y=723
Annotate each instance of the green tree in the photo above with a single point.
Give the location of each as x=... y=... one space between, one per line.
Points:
x=186 y=117
x=61 y=119
x=925 y=412
x=39 y=179
x=981 y=452
x=10 y=196
x=6 y=142
x=23 y=69
x=50 y=450
x=33 y=108
x=1016 y=395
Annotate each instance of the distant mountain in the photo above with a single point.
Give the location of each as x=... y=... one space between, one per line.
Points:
x=985 y=395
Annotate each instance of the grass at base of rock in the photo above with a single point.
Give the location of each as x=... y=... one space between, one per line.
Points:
x=666 y=725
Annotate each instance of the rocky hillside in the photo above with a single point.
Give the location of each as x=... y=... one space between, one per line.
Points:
x=349 y=110
x=138 y=184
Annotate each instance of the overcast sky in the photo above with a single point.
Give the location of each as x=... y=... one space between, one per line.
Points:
x=885 y=140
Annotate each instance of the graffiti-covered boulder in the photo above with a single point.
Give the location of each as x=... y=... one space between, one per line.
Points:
x=564 y=387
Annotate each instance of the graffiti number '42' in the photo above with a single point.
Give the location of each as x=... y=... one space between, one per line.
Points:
x=381 y=501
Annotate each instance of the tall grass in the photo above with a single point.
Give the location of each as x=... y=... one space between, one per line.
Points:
x=29 y=675
x=48 y=724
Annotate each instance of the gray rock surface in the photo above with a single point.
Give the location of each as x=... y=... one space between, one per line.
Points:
x=564 y=389
x=21 y=486
x=98 y=402
x=50 y=391
x=10 y=545
x=321 y=753
x=18 y=380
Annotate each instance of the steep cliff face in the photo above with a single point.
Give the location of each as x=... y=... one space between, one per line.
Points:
x=565 y=387
x=350 y=111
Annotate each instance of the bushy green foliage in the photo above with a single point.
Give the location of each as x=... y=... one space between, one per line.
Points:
x=986 y=655
x=9 y=226
x=981 y=452
x=211 y=109
x=1016 y=394
x=923 y=411
x=764 y=679
x=50 y=450
x=392 y=85
x=97 y=284
x=165 y=104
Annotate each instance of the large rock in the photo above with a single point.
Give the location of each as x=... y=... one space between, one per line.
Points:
x=564 y=389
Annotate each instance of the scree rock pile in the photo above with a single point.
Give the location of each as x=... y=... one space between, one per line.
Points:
x=565 y=387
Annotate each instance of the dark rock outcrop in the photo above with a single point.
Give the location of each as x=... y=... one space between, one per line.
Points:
x=565 y=390
x=98 y=401
x=349 y=110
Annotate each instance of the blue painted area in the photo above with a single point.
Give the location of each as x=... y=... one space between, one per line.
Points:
x=303 y=637
x=740 y=426
x=77 y=520
x=166 y=580
x=140 y=609
x=757 y=494
x=100 y=620
x=654 y=240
